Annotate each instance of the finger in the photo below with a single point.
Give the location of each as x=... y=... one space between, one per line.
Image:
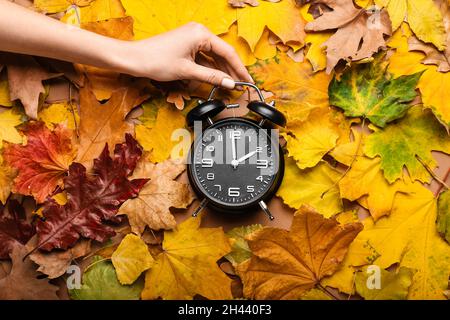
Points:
x=215 y=77
x=229 y=54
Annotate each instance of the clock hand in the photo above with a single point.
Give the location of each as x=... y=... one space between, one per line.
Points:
x=248 y=155
x=234 y=162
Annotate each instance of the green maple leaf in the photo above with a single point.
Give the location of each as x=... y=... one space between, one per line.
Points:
x=100 y=283
x=409 y=143
x=369 y=91
x=443 y=220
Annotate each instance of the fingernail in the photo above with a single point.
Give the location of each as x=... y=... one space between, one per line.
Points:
x=228 y=83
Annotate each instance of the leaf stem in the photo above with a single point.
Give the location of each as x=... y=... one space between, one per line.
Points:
x=435 y=177
x=327 y=292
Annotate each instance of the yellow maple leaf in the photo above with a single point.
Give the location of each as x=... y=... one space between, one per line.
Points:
x=151 y=207
x=98 y=10
x=263 y=50
x=316 y=187
x=309 y=141
x=282 y=18
x=152 y=17
x=9 y=120
x=286 y=264
x=158 y=139
x=60 y=113
x=409 y=237
x=423 y=16
x=297 y=89
x=188 y=264
x=131 y=258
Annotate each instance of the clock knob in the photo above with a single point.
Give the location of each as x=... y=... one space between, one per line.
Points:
x=205 y=111
x=268 y=112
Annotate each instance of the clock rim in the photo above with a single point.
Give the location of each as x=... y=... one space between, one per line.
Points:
x=234 y=208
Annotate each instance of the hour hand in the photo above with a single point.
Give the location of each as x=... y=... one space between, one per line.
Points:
x=248 y=155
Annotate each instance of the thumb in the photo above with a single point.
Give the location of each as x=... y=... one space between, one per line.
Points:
x=209 y=75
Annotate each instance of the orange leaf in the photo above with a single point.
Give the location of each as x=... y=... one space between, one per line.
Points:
x=42 y=162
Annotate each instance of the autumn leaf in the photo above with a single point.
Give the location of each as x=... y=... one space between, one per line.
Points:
x=296 y=87
x=393 y=285
x=131 y=258
x=423 y=16
x=23 y=283
x=188 y=264
x=25 y=78
x=152 y=17
x=98 y=10
x=5 y=98
x=408 y=143
x=239 y=246
x=443 y=219
x=161 y=192
x=242 y=3
x=43 y=162
x=7 y=175
x=316 y=187
x=91 y=199
x=60 y=113
x=286 y=264
x=105 y=123
x=55 y=264
x=100 y=283
x=409 y=237
x=366 y=90
x=283 y=19
x=360 y=33
x=9 y=120
x=433 y=85
x=54 y=6
x=157 y=138
x=309 y=141
x=15 y=230
x=365 y=182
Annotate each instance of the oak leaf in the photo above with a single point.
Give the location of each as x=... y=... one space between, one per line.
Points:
x=286 y=264
x=366 y=90
x=188 y=264
x=161 y=192
x=23 y=282
x=43 y=162
x=443 y=219
x=297 y=89
x=91 y=199
x=131 y=258
x=393 y=285
x=100 y=283
x=15 y=230
x=423 y=16
x=398 y=150
x=360 y=33
x=316 y=187
x=105 y=123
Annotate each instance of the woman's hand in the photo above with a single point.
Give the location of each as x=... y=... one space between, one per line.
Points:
x=172 y=56
x=165 y=57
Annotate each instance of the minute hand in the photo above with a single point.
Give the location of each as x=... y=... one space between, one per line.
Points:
x=248 y=155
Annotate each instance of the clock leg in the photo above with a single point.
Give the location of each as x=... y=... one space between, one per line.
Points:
x=200 y=207
x=266 y=210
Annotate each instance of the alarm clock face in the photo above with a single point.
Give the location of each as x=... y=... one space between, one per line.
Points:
x=235 y=164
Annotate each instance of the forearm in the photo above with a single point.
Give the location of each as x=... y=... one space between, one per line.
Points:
x=27 y=32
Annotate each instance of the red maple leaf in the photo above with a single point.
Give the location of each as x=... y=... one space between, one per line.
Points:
x=14 y=228
x=43 y=162
x=92 y=199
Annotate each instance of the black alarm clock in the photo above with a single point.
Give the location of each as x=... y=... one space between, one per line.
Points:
x=236 y=164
